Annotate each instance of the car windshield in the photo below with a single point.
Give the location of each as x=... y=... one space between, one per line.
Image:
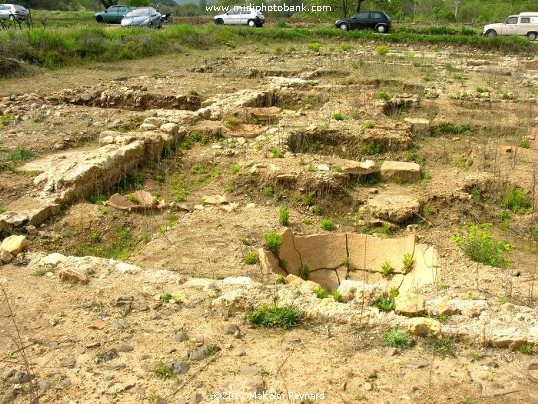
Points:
x=139 y=12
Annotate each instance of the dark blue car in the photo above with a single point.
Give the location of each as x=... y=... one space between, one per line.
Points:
x=375 y=20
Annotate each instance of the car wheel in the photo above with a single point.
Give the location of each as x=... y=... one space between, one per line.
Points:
x=251 y=23
x=491 y=32
x=344 y=27
x=532 y=36
x=12 y=17
x=219 y=21
x=381 y=29
x=99 y=19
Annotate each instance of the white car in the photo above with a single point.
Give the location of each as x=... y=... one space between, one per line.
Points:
x=241 y=16
x=522 y=24
x=13 y=12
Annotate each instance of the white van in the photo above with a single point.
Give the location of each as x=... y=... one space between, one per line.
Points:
x=522 y=24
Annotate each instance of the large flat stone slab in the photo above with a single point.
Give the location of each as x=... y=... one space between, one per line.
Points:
x=322 y=250
x=400 y=171
x=393 y=207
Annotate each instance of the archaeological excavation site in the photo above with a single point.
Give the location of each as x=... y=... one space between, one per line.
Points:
x=272 y=224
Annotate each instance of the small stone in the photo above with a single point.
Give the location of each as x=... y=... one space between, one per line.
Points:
x=181 y=336
x=196 y=397
x=123 y=299
x=5 y=257
x=367 y=386
x=532 y=366
x=418 y=364
x=491 y=364
x=393 y=352
x=44 y=385
x=198 y=354
x=180 y=368
x=124 y=348
x=238 y=353
x=231 y=329
x=125 y=335
x=106 y=356
x=250 y=370
x=69 y=362
x=65 y=383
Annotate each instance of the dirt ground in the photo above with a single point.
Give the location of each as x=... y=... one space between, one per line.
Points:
x=83 y=346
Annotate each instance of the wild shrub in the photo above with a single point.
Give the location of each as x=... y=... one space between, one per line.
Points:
x=273 y=241
x=476 y=242
x=397 y=339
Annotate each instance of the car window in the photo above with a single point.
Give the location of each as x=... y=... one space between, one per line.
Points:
x=376 y=15
x=234 y=12
x=511 y=20
x=363 y=15
x=525 y=20
x=245 y=11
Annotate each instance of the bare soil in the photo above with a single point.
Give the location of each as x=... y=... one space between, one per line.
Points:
x=56 y=323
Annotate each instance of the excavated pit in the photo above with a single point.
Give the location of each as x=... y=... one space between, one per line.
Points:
x=329 y=259
x=133 y=99
x=350 y=142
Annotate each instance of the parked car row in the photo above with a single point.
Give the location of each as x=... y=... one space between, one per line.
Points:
x=132 y=16
x=524 y=24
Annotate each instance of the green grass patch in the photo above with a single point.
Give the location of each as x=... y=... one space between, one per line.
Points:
x=284 y=215
x=250 y=258
x=451 y=129
x=397 y=339
x=273 y=241
x=74 y=44
x=327 y=224
x=274 y=316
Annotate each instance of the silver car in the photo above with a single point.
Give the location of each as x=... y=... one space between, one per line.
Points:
x=13 y=12
x=142 y=17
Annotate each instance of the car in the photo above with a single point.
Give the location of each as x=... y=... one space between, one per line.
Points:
x=241 y=16
x=525 y=24
x=13 y=12
x=376 y=20
x=143 y=17
x=113 y=14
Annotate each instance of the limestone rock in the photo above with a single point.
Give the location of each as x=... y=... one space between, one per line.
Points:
x=359 y=167
x=268 y=262
x=359 y=291
x=445 y=306
x=327 y=278
x=52 y=259
x=14 y=244
x=409 y=304
x=72 y=276
x=420 y=125
x=511 y=337
x=400 y=171
x=170 y=127
x=424 y=327
x=396 y=208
